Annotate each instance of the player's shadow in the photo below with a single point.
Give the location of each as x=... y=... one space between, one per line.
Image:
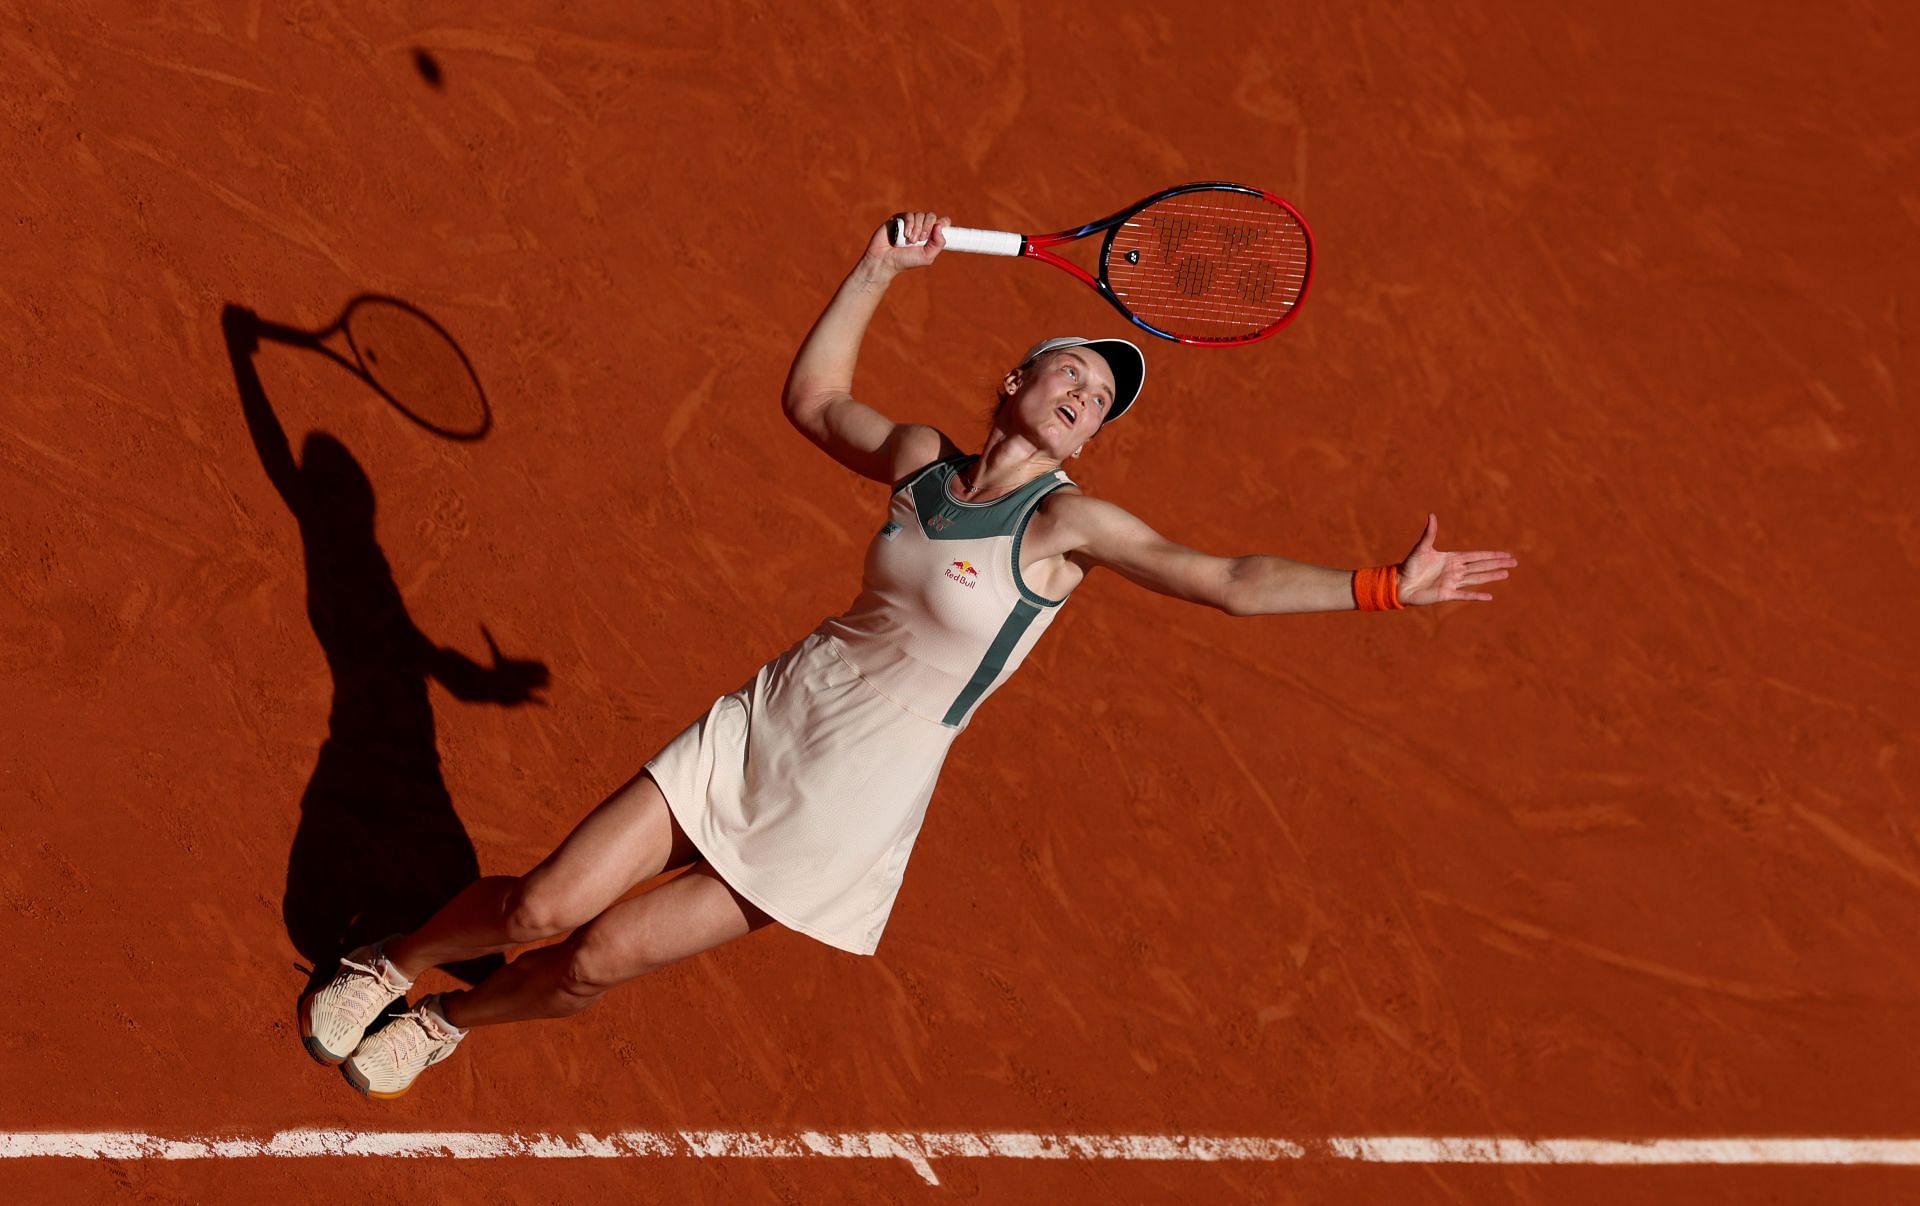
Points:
x=379 y=846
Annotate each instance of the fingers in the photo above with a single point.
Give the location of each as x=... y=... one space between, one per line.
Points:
x=523 y=683
x=1471 y=569
x=1432 y=533
x=1425 y=543
x=1474 y=569
x=917 y=228
x=922 y=240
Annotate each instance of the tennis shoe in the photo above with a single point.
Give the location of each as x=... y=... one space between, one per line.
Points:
x=387 y=1062
x=334 y=1018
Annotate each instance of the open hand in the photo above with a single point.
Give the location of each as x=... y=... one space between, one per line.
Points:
x=1431 y=576
x=512 y=680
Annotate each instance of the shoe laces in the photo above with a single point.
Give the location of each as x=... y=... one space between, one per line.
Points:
x=430 y=1030
x=364 y=990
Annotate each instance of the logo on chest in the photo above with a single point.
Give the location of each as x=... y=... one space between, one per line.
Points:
x=964 y=573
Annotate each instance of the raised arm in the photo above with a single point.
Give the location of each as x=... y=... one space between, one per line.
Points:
x=242 y=331
x=819 y=400
x=1104 y=534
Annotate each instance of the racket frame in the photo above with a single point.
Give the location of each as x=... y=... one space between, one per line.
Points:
x=1036 y=247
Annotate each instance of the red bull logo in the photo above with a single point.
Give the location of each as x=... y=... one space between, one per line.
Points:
x=964 y=573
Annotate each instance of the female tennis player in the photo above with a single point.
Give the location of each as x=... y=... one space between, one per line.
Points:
x=798 y=797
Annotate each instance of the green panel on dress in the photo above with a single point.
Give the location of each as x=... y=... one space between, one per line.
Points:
x=1019 y=534
x=941 y=518
x=995 y=661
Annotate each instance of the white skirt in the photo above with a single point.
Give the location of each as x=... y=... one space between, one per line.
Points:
x=805 y=790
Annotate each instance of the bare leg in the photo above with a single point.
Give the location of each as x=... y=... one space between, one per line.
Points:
x=682 y=917
x=630 y=838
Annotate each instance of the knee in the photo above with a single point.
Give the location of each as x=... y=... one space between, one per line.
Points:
x=594 y=964
x=537 y=910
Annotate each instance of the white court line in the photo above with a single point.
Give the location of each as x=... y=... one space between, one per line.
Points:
x=918 y=1148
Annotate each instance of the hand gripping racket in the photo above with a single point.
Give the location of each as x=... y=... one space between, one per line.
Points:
x=1213 y=264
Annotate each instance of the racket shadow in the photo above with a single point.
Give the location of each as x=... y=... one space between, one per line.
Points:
x=379 y=846
x=406 y=358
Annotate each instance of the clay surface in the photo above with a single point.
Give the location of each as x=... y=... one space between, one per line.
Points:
x=1631 y=851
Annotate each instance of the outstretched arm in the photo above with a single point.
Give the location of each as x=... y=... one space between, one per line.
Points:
x=1104 y=534
x=819 y=397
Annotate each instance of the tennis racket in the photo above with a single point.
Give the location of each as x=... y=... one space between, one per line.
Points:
x=407 y=358
x=1212 y=264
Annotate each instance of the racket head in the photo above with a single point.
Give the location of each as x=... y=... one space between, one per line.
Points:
x=1212 y=264
x=411 y=361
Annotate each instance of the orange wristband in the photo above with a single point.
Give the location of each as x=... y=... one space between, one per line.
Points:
x=1377 y=589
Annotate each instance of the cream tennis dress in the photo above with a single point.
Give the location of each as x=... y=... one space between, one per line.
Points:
x=806 y=788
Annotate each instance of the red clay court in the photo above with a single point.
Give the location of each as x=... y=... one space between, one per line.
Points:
x=1630 y=854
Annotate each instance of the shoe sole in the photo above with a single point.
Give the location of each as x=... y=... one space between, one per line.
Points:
x=313 y=1045
x=360 y=1085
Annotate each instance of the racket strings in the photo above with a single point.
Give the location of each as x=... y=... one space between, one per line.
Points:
x=416 y=366
x=1173 y=230
x=1210 y=265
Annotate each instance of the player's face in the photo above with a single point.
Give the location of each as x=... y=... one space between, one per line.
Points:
x=1061 y=399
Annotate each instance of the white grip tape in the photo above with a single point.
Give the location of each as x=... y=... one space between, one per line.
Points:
x=965 y=238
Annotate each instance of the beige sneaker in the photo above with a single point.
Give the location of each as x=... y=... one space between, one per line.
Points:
x=334 y=1017
x=387 y=1063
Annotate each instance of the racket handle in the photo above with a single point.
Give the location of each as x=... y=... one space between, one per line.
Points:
x=965 y=238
